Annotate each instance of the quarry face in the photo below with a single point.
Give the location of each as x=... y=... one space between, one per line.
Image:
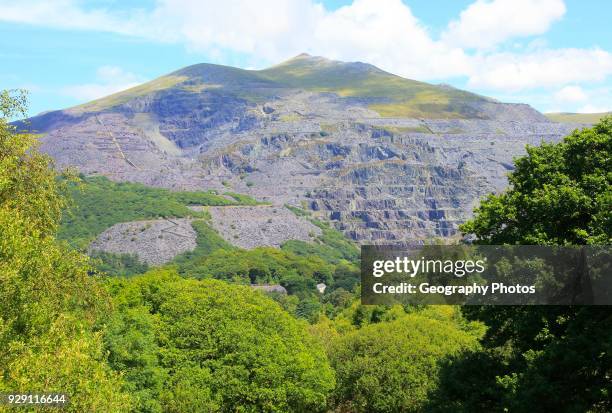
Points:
x=391 y=179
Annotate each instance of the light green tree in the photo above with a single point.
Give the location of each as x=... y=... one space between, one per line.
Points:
x=49 y=304
x=190 y=345
x=393 y=366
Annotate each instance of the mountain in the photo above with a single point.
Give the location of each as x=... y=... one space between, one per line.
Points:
x=383 y=158
x=355 y=83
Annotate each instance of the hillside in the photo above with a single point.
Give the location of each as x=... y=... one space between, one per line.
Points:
x=382 y=158
x=386 y=94
x=576 y=117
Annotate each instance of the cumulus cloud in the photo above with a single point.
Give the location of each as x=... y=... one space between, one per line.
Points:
x=485 y=23
x=382 y=32
x=589 y=108
x=109 y=80
x=543 y=68
x=571 y=94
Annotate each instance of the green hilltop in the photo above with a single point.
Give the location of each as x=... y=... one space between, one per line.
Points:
x=383 y=92
x=576 y=117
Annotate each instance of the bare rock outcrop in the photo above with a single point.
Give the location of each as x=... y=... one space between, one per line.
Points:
x=155 y=242
x=261 y=226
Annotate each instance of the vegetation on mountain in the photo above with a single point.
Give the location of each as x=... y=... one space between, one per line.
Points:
x=576 y=117
x=392 y=95
x=403 y=97
x=99 y=203
x=331 y=245
x=125 y=96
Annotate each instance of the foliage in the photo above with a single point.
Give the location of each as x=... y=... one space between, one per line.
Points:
x=189 y=345
x=100 y=203
x=331 y=245
x=49 y=304
x=555 y=358
x=207 y=241
x=244 y=199
x=560 y=194
x=264 y=265
x=393 y=366
x=118 y=264
x=26 y=184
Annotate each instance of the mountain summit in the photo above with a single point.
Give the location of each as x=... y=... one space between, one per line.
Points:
x=357 y=83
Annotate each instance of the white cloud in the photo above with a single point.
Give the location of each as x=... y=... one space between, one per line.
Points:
x=382 y=32
x=544 y=68
x=62 y=14
x=109 y=80
x=485 y=24
x=571 y=94
x=386 y=34
x=594 y=109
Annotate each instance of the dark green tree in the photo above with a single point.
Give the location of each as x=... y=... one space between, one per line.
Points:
x=556 y=358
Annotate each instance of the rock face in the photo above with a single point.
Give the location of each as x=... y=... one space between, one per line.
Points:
x=261 y=226
x=384 y=159
x=155 y=242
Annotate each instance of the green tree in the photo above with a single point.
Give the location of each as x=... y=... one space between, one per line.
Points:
x=555 y=358
x=393 y=366
x=27 y=185
x=218 y=348
x=560 y=194
x=49 y=304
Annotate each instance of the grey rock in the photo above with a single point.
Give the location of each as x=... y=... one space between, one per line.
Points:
x=261 y=226
x=155 y=242
x=377 y=179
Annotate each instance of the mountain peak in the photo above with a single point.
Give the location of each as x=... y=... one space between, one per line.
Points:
x=306 y=59
x=360 y=83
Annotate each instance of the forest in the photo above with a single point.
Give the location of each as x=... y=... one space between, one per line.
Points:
x=192 y=336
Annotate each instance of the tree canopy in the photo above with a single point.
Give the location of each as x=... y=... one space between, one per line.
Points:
x=393 y=366
x=555 y=358
x=190 y=345
x=49 y=304
x=559 y=194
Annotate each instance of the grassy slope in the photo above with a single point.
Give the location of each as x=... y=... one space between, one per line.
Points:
x=331 y=245
x=100 y=203
x=397 y=97
x=405 y=97
x=125 y=96
x=576 y=117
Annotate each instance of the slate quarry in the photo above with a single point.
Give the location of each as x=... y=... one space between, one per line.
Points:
x=384 y=159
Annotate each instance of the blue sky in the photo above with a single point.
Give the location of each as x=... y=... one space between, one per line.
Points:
x=553 y=54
